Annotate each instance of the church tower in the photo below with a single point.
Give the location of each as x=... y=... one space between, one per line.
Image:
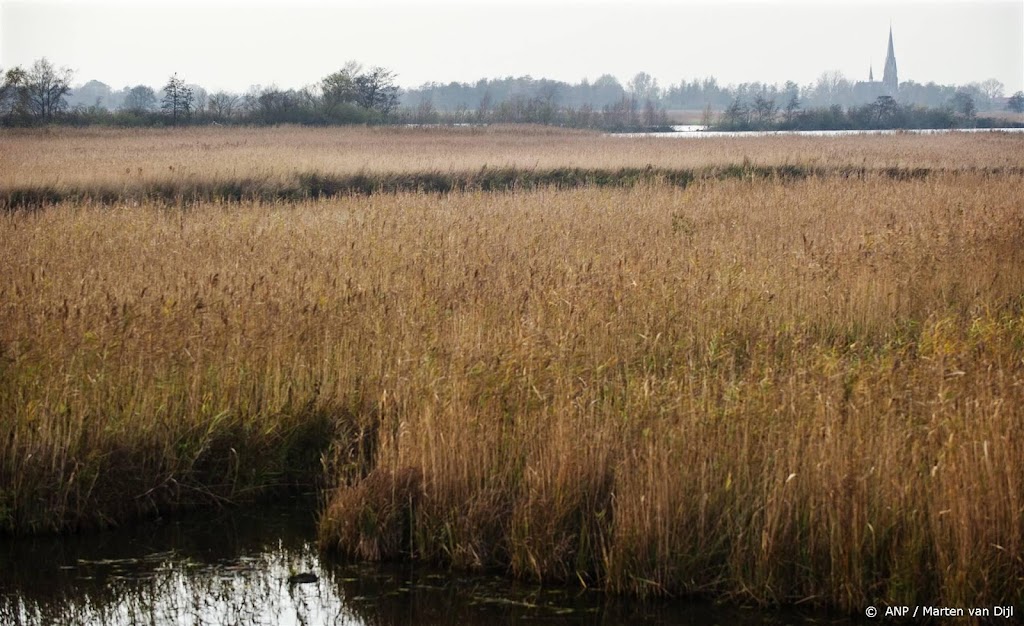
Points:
x=889 y=80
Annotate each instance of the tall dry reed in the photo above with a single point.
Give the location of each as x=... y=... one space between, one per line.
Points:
x=68 y=158
x=794 y=393
x=802 y=391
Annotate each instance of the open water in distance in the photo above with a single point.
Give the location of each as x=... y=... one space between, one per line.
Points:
x=233 y=568
x=699 y=132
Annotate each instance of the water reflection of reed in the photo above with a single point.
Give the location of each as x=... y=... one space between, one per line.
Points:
x=234 y=569
x=254 y=591
x=251 y=590
x=231 y=568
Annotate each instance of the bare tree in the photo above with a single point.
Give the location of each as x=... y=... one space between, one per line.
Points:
x=792 y=107
x=200 y=98
x=707 y=117
x=12 y=92
x=992 y=88
x=736 y=116
x=1016 y=102
x=650 y=114
x=46 y=89
x=377 y=90
x=276 y=106
x=764 y=109
x=177 y=99
x=963 y=103
x=140 y=98
x=643 y=86
x=606 y=89
x=222 y=105
x=832 y=88
x=340 y=87
x=425 y=113
x=791 y=92
x=884 y=109
x=486 y=102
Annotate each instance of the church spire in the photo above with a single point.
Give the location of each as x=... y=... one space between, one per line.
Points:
x=889 y=78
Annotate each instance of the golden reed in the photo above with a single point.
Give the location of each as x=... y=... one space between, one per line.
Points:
x=803 y=391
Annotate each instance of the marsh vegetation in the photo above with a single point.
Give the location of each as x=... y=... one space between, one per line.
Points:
x=776 y=388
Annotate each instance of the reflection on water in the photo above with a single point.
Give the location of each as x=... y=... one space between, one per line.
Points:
x=234 y=569
x=229 y=569
x=700 y=132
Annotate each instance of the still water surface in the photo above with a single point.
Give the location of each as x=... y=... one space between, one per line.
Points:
x=699 y=132
x=233 y=568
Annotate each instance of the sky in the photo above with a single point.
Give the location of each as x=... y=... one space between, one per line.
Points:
x=232 y=45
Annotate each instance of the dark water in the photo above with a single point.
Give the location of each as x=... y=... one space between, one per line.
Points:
x=233 y=568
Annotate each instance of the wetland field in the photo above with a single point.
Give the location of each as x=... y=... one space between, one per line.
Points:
x=774 y=371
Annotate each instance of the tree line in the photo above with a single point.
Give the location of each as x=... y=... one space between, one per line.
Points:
x=42 y=94
x=884 y=112
x=831 y=88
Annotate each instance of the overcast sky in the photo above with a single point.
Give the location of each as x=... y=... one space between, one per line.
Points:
x=233 y=45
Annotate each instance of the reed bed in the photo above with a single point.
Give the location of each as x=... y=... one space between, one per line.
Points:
x=184 y=194
x=69 y=160
x=785 y=391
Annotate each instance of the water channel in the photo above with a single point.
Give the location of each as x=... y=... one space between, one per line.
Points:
x=234 y=566
x=701 y=132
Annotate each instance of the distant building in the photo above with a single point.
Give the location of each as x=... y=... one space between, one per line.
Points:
x=872 y=89
x=889 y=79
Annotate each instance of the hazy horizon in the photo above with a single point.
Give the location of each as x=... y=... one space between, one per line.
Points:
x=232 y=46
